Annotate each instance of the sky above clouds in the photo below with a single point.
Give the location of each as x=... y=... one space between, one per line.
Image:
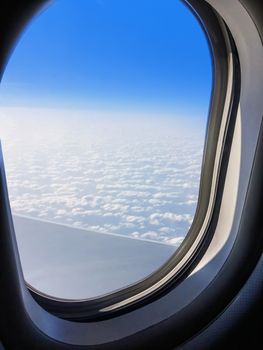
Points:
x=134 y=54
x=103 y=111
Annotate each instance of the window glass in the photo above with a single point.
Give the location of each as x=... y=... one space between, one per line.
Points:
x=103 y=114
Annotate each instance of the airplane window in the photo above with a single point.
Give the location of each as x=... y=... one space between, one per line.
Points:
x=103 y=114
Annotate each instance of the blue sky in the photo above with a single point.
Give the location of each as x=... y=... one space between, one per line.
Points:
x=134 y=54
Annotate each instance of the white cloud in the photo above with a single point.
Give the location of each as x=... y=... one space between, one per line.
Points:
x=150 y=235
x=175 y=241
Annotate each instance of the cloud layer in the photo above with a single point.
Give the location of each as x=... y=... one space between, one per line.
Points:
x=137 y=178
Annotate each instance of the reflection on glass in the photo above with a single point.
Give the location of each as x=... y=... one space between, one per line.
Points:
x=103 y=113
